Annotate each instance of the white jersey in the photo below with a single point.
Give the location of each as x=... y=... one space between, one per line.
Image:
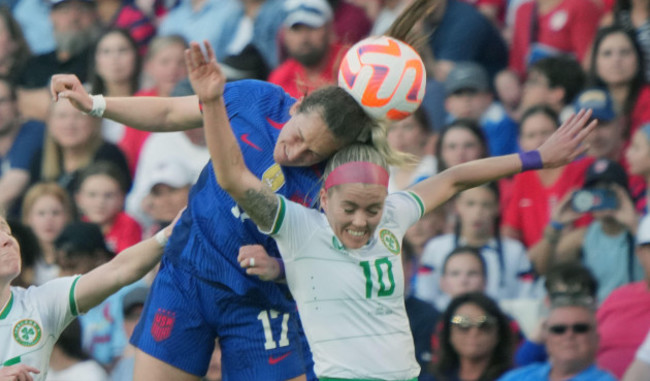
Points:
x=351 y=302
x=643 y=353
x=509 y=271
x=32 y=321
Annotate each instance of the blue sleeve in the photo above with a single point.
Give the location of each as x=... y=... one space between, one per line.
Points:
x=529 y=353
x=28 y=141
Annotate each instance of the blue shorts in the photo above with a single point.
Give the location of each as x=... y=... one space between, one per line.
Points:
x=183 y=315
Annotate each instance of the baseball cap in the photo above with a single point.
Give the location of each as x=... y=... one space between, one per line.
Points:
x=170 y=173
x=605 y=171
x=54 y=3
x=599 y=101
x=467 y=75
x=82 y=237
x=313 y=13
x=135 y=297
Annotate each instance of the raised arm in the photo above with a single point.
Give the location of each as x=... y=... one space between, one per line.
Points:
x=127 y=267
x=258 y=200
x=158 y=114
x=559 y=149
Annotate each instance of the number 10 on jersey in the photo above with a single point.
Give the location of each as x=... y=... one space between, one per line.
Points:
x=382 y=267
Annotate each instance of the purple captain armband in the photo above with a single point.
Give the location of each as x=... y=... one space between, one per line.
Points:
x=282 y=275
x=531 y=160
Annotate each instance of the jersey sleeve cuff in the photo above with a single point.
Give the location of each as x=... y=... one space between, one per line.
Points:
x=279 y=217
x=418 y=201
x=74 y=309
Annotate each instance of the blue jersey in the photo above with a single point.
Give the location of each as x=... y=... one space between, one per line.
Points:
x=207 y=238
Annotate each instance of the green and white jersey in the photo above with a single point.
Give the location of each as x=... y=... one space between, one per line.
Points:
x=351 y=302
x=32 y=321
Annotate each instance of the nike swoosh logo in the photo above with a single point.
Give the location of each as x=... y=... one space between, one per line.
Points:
x=274 y=124
x=275 y=360
x=244 y=138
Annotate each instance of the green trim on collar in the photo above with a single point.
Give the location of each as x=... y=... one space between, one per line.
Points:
x=5 y=311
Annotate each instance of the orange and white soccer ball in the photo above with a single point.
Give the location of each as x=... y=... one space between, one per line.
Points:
x=385 y=76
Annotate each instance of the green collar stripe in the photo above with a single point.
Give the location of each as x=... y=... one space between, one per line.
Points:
x=419 y=201
x=282 y=208
x=13 y=361
x=73 y=304
x=5 y=311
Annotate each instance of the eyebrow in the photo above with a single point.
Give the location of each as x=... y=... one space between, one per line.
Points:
x=302 y=137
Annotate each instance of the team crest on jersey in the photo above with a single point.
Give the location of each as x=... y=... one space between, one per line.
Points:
x=389 y=240
x=273 y=177
x=163 y=323
x=27 y=332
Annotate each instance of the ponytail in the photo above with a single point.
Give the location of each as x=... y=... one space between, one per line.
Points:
x=402 y=28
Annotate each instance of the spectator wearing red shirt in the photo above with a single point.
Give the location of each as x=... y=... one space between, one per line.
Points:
x=545 y=28
x=309 y=41
x=535 y=193
x=351 y=23
x=118 y=14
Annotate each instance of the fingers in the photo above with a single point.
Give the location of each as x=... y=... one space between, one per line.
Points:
x=582 y=134
x=209 y=51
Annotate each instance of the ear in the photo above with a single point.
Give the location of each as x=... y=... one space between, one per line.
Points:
x=323 y=199
x=294 y=108
x=557 y=95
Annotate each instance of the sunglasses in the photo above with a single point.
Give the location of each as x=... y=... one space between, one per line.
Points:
x=578 y=328
x=464 y=323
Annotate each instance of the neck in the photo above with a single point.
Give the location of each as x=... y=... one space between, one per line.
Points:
x=472 y=369
x=197 y=4
x=476 y=238
x=548 y=176
x=619 y=94
x=48 y=252
x=7 y=137
x=118 y=89
x=611 y=227
x=564 y=371
x=252 y=7
x=546 y=5
x=5 y=294
x=107 y=9
x=73 y=158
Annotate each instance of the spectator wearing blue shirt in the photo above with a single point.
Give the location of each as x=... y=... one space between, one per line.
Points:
x=18 y=143
x=463 y=34
x=571 y=340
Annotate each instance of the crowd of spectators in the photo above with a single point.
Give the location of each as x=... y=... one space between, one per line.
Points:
x=542 y=275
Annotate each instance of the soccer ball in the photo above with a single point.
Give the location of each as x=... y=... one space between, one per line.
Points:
x=385 y=76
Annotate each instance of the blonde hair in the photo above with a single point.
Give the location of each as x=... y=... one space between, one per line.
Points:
x=356 y=152
x=51 y=164
x=45 y=189
x=161 y=42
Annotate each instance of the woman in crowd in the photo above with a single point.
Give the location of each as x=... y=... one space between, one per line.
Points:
x=412 y=135
x=14 y=51
x=475 y=342
x=508 y=270
x=163 y=69
x=638 y=159
x=115 y=71
x=73 y=141
x=617 y=64
x=46 y=209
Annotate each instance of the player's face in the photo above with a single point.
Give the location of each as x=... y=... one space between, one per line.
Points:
x=304 y=140
x=354 y=211
x=9 y=253
x=638 y=154
x=100 y=199
x=47 y=218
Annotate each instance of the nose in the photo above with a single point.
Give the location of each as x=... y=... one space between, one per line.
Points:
x=358 y=219
x=5 y=239
x=295 y=151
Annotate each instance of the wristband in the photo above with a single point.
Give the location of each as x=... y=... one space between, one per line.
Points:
x=556 y=225
x=531 y=160
x=161 y=238
x=99 y=106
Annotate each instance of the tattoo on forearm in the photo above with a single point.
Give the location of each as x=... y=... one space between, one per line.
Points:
x=261 y=205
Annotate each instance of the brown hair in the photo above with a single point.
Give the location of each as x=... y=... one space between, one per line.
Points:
x=39 y=190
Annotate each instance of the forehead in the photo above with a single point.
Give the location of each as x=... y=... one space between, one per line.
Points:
x=616 y=39
x=360 y=194
x=459 y=134
x=570 y=314
x=463 y=260
x=538 y=122
x=469 y=309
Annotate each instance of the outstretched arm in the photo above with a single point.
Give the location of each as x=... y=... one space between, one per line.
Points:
x=128 y=266
x=158 y=114
x=258 y=200
x=560 y=149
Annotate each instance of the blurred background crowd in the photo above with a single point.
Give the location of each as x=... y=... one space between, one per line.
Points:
x=547 y=269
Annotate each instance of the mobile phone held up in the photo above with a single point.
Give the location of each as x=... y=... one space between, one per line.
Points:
x=594 y=199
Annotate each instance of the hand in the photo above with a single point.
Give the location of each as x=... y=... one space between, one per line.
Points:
x=18 y=372
x=69 y=87
x=169 y=228
x=565 y=144
x=257 y=261
x=626 y=213
x=204 y=72
x=563 y=212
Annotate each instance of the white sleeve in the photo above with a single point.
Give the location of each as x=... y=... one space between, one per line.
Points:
x=409 y=206
x=56 y=300
x=293 y=227
x=643 y=353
